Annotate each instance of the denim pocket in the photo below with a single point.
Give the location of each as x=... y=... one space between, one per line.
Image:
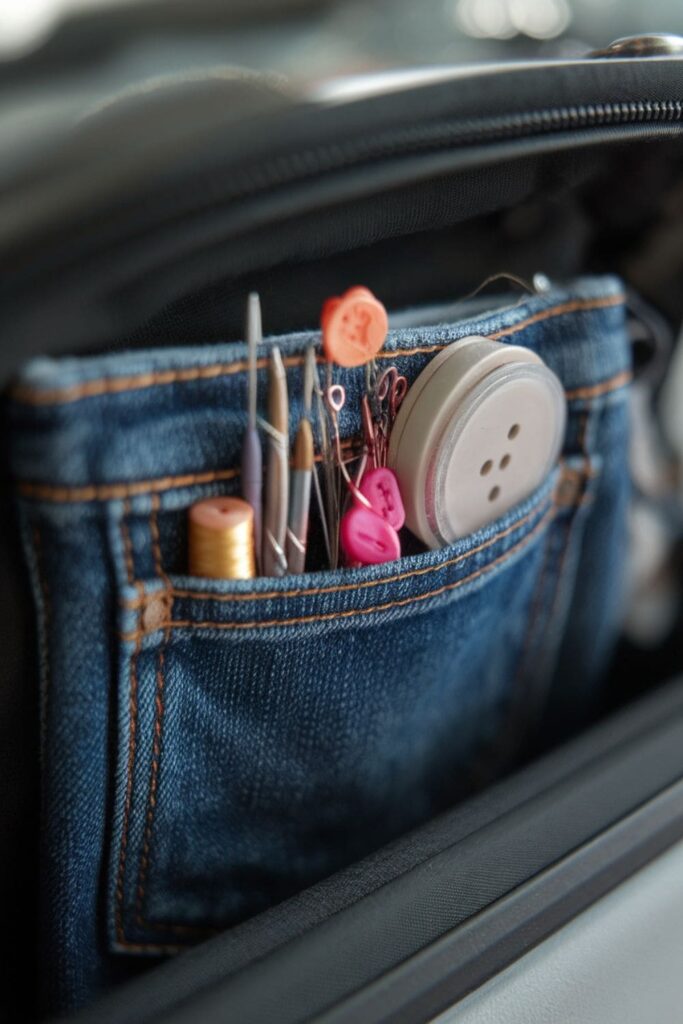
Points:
x=273 y=730
x=211 y=747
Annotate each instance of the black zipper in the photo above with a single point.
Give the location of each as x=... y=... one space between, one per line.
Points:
x=152 y=222
x=256 y=179
x=425 y=138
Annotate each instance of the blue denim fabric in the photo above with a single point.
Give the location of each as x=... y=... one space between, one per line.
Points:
x=209 y=747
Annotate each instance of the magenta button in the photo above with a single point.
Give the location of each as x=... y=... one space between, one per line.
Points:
x=367 y=538
x=380 y=487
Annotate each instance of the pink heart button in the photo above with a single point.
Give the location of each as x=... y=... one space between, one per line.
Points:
x=380 y=487
x=368 y=538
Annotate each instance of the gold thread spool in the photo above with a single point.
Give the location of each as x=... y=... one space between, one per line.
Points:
x=221 y=539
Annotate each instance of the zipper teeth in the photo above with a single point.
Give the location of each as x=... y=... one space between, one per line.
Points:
x=298 y=168
x=442 y=134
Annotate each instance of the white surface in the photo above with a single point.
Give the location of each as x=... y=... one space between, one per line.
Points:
x=620 y=962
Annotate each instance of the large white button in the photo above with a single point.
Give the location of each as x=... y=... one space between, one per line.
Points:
x=478 y=431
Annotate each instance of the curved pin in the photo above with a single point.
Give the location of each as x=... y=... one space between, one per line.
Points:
x=335 y=397
x=369 y=433
x=392 y=386
x=385 y=382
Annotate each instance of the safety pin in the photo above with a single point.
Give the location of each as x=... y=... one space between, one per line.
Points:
x=392 y=388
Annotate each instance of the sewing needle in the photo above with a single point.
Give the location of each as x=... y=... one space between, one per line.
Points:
x=252 y=458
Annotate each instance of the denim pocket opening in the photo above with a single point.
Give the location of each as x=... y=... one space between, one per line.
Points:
x=210 y=801
x=273 y=730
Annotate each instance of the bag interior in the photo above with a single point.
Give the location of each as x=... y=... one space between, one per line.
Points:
x=613 y=206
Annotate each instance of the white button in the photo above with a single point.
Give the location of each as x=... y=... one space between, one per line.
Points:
x=478 y=431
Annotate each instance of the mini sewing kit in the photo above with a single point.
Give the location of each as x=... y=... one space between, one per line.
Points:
x=476 y=432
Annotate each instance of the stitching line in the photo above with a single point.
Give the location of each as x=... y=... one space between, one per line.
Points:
x=27 y=395
x=127 y=490
x=109 y=492
x=157 y=732
x=127 y=546
x=572 y=525
x=116 y=385
x=180 y=928
x=601 y=388
x=122 y=941
x=587 y=474
x=569 y=532
x=354 y=612
x=566 y=307
x=160 y=708
x=132 y=735
x=530 y=631
x=156 y=541
x=163 y=948
x=152 y=791
x=510 y=741
x=316 y=591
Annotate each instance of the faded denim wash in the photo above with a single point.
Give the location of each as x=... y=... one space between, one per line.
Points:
x=210 y=747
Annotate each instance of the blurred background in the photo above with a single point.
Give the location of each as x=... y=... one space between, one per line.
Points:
x=314 y=38
x=306 y=40
x=50 y=48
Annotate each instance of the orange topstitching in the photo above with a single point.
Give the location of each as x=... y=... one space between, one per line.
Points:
x=355 y=612
x=362 y=585
x=132 y=733
x=140 y=946
x=116 y=385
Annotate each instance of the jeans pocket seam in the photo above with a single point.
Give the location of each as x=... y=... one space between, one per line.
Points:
x=119 y=893
x=548 y=515
x=511 y=737
x=140 y=920
x=380 y=581
x=584 y=500
x=581 y=500
x=348 y=613
x=157 y=750
x=28 y=395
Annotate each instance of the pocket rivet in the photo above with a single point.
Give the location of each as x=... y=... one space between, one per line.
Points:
x=156 y=611
x=568 y=488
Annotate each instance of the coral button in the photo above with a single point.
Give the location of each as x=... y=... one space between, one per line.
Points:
x=380 y=487
x=354 y=327
x=367 y=538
